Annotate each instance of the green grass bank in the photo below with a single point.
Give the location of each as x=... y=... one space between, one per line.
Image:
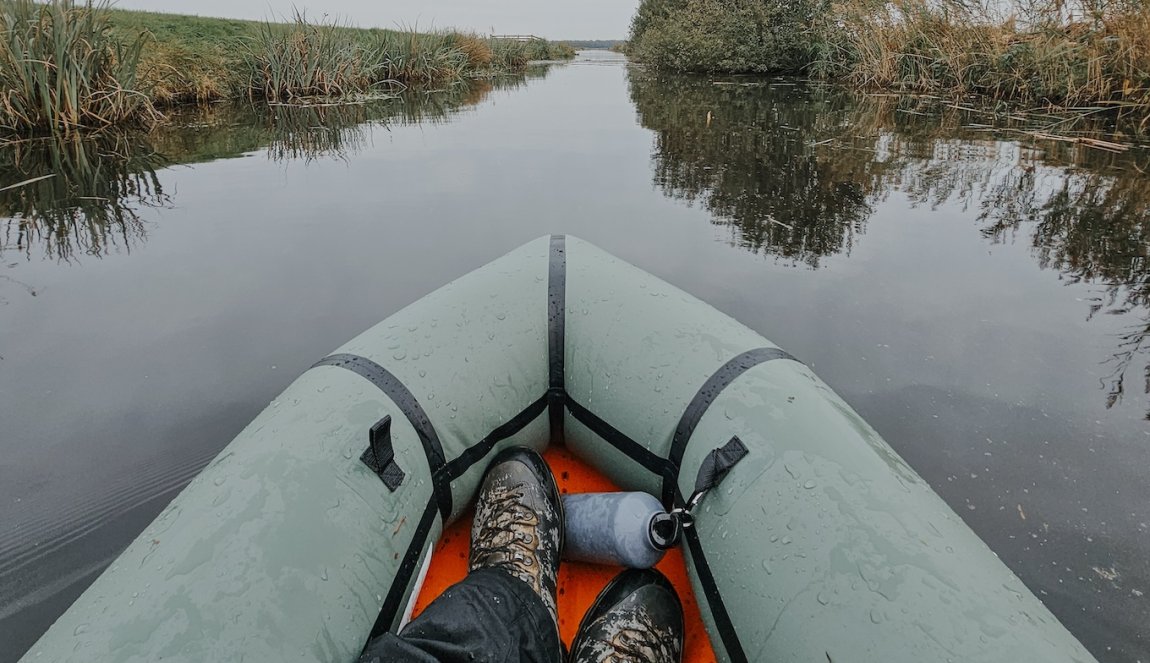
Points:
x=192 y=58
x=69 y=66
x=1084 y=55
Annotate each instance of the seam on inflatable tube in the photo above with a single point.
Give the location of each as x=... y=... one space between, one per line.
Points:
x=702 y=400
x=412 y=410
x=556 y=328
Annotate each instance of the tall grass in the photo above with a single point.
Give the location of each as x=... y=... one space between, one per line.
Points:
x=513 y=54
x=62 y=69
x=1068 y=53
x=174 y=73
x=509 y=53
x=304 y=59
x=66 y=66
x=307 y=59
x=188 y=58
x=541 y=49
x=478 y=50
x=422 y=58
x=1053 y=53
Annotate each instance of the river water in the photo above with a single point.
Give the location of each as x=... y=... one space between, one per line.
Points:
x=977 y=291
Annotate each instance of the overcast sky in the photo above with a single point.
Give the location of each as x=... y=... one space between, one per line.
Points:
x=554 y=19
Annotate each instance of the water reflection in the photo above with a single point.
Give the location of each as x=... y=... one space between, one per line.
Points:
x=1084 y=212
x=746 y=151
x=290 y=133
x=80 y=195
x=83 y=196
x=795 y=170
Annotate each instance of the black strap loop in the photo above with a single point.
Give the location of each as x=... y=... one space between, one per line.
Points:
x=717 y=464
x=712 y=471
x=380 y=455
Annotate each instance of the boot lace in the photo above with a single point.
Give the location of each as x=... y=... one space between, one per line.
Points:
x=506 y=533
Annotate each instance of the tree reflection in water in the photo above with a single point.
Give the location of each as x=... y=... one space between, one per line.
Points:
x=82 y=195
x=744 y=151
x=794 y=170
x=92 y=190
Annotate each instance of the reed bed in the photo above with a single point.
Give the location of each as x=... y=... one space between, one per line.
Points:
x=541 y=49
x=515 y=54
x=62 y=69
x=419 y=58
x=509 y=54
x=480 y=54
x=316 y=60
x=1082 y=57
x=1078 y=55
x=67 y=66
x=307 y=59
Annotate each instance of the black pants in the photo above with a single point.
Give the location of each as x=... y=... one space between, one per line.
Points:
x=488 y=617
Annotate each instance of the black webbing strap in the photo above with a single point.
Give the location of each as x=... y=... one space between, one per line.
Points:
x=723 y=624
x=556 y=328
x=702 y=400
x=412 y=410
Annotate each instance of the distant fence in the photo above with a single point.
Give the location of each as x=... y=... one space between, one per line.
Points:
x=518 y=37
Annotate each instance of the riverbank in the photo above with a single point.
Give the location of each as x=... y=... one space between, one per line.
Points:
x=192 y=58
x=72 y=67
x=1079 y=56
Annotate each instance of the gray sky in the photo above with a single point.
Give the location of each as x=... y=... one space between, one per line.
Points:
x=555 y=19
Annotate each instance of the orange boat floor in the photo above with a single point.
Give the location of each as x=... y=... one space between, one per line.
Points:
x=579 y=583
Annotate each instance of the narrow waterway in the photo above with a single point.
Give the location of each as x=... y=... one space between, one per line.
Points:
x=978 y=292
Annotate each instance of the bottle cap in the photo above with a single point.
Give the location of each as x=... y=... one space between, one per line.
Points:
x=665 y=531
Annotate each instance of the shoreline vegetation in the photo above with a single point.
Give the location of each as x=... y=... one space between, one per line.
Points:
x=71 y=66
x=1078 y=56
x=87 y=193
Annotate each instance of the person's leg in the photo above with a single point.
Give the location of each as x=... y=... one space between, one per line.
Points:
x=637 y=618
x=504 y=610
x=488 y=617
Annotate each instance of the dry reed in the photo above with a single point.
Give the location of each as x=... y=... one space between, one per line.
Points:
x=62 y=70
x=1074 y=58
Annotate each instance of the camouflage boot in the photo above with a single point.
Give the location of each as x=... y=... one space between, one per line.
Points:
x=518 y=524
x=637 y=618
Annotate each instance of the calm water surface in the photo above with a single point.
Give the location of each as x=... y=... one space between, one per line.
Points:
x=981 y=296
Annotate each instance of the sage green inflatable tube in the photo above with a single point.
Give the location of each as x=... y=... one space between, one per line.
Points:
x=820 y=545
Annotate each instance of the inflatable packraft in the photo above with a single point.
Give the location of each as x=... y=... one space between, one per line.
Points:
x=313 y=529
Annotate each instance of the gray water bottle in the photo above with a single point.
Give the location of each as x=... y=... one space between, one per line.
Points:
x=627 y=529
